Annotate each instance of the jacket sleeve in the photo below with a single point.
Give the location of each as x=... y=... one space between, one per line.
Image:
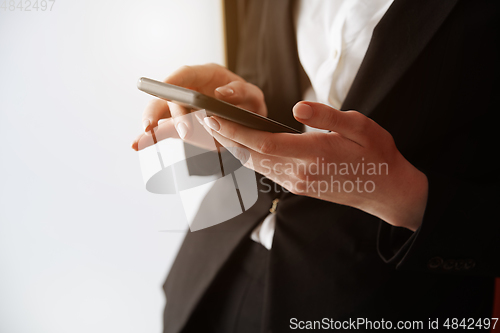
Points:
x=460 y=232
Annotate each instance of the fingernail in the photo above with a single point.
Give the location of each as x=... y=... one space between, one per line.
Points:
x=302 y=111
x=225 y=91
x=182 y=130
x=145 y=124
x=212 y=123
x=161 y=121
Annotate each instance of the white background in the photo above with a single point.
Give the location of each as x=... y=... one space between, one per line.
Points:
x=81 y=241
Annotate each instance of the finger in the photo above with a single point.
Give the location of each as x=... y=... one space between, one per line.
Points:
x=236 y=149
x=201 y=77
x=165 y=129
x=244 y=95
x=156 y=109
x=135 y=143
x=276 y=144
x=200 y=118
x=276 y=168
x=351 y=124
x=181 y=119
x=250 y=158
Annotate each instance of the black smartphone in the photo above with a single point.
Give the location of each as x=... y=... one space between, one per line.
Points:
x=197 y=101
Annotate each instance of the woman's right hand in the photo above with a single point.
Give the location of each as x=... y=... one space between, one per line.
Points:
x=210 y=79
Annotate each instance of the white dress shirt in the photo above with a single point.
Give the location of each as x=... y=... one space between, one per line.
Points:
x=332 y=39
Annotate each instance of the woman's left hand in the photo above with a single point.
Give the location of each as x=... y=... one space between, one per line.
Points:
x=356 y=164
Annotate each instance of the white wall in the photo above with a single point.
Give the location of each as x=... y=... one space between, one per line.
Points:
x=81 y=241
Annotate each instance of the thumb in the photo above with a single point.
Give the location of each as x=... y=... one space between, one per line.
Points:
x=351 y=124
x=244 y=95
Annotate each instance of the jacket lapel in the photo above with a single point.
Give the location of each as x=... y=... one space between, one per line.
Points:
x=397 y=40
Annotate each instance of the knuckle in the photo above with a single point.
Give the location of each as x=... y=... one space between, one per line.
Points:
x=360 y=123
x=358 y=119
x=331 y=120
x=266 y=147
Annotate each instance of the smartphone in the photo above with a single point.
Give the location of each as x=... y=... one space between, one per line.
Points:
x=197 y=101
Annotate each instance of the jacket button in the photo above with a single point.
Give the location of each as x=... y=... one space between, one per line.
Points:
x=435 y=262
x=470 y=264
x=449 y=264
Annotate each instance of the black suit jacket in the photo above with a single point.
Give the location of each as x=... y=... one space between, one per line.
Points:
x=430 y=77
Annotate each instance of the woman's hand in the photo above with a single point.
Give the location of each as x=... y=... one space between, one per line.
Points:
x=212 y=80
x=356 y=164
